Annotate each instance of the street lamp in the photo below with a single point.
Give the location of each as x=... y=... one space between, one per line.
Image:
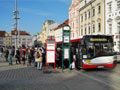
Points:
x=18 y=30
x=16 y=25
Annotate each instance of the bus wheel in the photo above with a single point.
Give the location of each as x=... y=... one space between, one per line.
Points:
x=115 y=64
x=78 y=67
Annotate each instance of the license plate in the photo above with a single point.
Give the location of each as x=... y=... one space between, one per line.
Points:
x=100 y=67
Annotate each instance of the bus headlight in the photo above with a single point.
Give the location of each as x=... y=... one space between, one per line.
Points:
x=88 y=61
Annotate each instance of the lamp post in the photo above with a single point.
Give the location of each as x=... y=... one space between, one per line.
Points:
x=19 y=31
x=16 y=25
x=119 y=37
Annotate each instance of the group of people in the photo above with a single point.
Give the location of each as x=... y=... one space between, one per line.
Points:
x=34 y=56
x=65 y=61
x=23 y=55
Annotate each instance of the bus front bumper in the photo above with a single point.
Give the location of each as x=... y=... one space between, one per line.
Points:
x=86 y=66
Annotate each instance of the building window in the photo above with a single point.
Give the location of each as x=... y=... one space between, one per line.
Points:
x=110 y=28
x=99 y=9
x=118 y=27
x=93 y=28
x=118 y=4
x=89 y=29
x=93 y=12
x=81 y=18
x=110 y=7
x=73 y=24
x=73 y=34
x=85 y=30
x=89 y=14
x=99 y=27
x=85 y=16
x=81 y=31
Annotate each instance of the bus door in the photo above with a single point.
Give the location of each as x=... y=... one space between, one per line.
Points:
x=80 y=54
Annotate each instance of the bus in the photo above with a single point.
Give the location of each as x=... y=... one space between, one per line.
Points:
x=95 y=51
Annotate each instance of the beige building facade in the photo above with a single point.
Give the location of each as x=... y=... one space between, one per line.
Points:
x=87 y=17
x=92 y=17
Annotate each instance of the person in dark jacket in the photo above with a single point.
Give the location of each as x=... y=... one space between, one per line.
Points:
x=23 y=57
x=29 y=55
x=71 y=57
x=17 y=56
x=13 y=51
x=6 y=54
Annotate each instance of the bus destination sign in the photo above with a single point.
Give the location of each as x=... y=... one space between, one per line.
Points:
x=98 y=39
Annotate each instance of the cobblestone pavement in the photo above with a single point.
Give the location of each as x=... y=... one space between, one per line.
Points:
x=18 y=77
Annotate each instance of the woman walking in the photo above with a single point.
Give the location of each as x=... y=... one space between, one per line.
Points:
x=38 y=59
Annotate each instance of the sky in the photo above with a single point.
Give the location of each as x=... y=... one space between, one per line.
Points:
x=33 y=13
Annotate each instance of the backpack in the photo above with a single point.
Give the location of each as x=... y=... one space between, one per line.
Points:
x=38 y=55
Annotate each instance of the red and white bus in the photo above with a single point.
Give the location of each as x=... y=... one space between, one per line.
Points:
x=93 y=51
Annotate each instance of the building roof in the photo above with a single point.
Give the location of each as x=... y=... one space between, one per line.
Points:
x=20 y=32
x=53 y=26
x=2 y=33
x=66 y=22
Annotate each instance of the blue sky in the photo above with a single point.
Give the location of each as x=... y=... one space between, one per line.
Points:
x=33 y=13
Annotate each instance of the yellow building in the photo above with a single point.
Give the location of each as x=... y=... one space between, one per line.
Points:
x=48 y=30
x=92 y=17
x=43 y=35
x=52 y=32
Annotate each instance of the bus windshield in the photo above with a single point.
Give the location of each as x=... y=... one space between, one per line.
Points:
x=97 y=46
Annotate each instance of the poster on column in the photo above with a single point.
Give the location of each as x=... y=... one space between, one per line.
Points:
x=66 y=53
x=50 y=51
x=50 y=57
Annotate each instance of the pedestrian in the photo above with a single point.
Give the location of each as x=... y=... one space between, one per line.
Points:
x=71 y=57
x=13 y=51
x=38 y=59
x=29 y=55
x=58 y=58
x=6 y=54
x=20 y=50
x=0 y=53
x=17 y=56
x=23 y=57
x=43 y=56
x=35 y=56
x=10 y=58
x=32 y=53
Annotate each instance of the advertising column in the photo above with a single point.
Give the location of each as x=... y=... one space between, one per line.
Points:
x=50 y=51
x=65 y=45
